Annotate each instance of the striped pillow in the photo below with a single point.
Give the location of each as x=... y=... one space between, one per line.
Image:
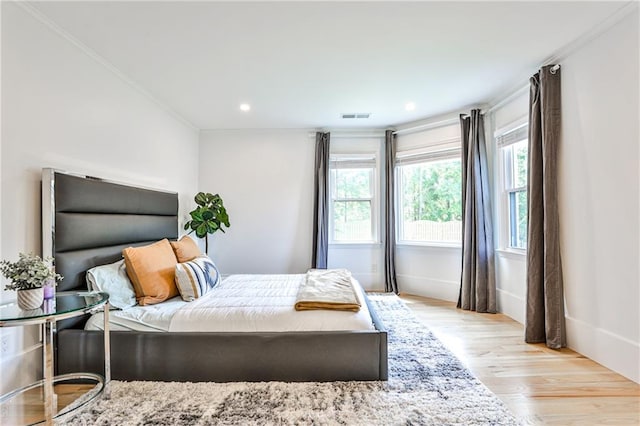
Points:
x=196 y=277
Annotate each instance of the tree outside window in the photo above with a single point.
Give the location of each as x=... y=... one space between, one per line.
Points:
x=513 y=146
x=352 y=216
x=515 y=158
x=430 y=198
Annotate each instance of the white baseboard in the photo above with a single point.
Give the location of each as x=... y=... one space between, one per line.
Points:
x=511 y=305
x=429 y=287
x=611 y=350
x=370 y=281
x=20 y=369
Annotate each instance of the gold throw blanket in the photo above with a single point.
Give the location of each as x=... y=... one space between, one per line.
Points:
x=327 y=289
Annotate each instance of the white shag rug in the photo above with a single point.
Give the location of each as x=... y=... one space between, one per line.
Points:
x=427 y=386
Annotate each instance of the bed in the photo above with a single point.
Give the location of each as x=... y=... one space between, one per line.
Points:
x=89 y=221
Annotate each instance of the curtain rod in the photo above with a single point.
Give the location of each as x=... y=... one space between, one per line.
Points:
x=519 y=91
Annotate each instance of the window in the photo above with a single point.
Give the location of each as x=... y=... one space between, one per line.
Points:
x=430 y=195
x=513 y=148
x=352 y=183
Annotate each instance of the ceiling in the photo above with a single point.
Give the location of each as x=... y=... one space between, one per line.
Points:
x=303 y=64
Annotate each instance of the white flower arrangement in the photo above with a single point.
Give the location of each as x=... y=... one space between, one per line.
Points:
x=30 y=271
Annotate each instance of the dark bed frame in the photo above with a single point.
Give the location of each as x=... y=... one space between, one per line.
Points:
x=88 y=221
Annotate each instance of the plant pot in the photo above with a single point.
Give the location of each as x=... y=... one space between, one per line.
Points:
x=31 y=298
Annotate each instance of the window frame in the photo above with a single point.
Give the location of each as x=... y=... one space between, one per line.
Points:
x=442 y=150
x=365 y=160
x=504 y=137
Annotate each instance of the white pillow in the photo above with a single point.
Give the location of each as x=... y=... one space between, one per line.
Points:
x=196 y=277
x=113 y=279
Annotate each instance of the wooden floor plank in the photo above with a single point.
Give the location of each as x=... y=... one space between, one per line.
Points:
x=28 y=407
x=541 y=386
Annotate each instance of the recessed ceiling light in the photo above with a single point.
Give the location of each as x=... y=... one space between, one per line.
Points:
x=410 y=106
x=245 y=107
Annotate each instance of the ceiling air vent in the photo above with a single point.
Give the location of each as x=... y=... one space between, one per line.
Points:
x=356 y=115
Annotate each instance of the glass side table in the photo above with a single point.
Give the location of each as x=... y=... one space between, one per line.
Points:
x=66 y=304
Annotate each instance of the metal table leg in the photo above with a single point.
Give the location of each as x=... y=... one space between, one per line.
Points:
x=50 y=405
x=107 y=353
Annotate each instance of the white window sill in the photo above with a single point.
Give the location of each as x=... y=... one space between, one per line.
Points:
x=407 y=244
x=511 y=253
x=363 y=244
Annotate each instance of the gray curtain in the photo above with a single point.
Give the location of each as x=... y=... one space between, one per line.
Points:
x=545 y=302
x=390 y=283
x=320 y=251
x=478 y=285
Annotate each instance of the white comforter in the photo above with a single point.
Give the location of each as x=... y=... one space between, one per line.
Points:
x=240 y=303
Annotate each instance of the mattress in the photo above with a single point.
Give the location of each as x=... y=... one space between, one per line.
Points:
x=240 y=303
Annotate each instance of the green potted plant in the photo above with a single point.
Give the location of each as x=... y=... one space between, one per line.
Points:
x=208 y=217
x=28 y=275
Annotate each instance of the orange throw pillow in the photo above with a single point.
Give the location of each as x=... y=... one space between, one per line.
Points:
x=151 y=270
x=185 y=249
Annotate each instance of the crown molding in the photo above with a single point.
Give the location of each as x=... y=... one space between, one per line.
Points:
x=352 y=133
x=564 y=52
x=570 y=48
x=442 y=120
x=405 y=128
x=42 y=18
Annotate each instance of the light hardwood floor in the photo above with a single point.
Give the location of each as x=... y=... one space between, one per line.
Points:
x=539 y=385
x=28 y=407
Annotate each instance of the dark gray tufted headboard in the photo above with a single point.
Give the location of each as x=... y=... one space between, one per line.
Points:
x=88 y=221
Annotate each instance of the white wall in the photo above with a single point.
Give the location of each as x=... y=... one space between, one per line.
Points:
x=62 y=109
x=599 y=195
x=599 y=201
x=0 y=146
x=431 y=271
x=265 y=179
